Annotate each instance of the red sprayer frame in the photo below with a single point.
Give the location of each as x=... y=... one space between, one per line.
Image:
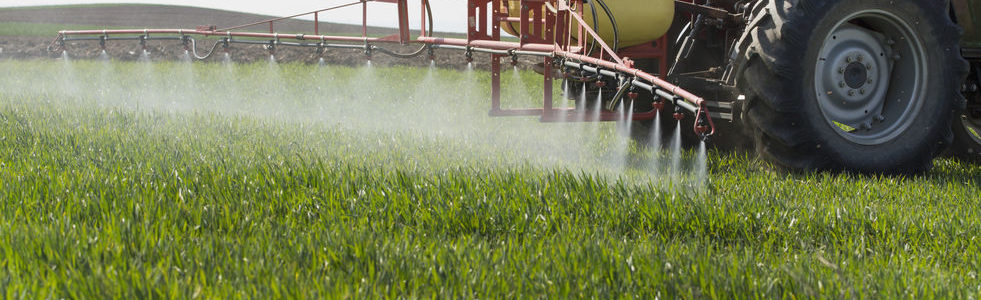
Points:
x=551 y=29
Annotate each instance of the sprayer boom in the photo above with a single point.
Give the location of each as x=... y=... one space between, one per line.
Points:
x=553 y=30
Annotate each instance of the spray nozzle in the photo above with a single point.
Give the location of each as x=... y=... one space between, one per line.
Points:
x=677 y=113
x=657 y=103
x=368 y=49
x=469 y=54
x=321 y=50
x=271 y=47
x=102 y=42
x=432 y=53
x=632 y=94
x=600 y=83
x=702 y=127
x=186 y=41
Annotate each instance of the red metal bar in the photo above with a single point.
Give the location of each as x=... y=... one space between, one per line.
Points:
x=422 y=28
x=364 y=19
x=495 y=84
x=548 y=86
x=596 y=37
x=271 y=30
x=316 y=23
x=403 y=8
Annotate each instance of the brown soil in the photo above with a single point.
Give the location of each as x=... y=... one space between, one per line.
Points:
x=160 y=16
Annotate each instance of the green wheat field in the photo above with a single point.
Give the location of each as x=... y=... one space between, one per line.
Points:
x=206 y=180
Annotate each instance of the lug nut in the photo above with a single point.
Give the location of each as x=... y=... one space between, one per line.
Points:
x=841 y=84
x=862 y=91
x=848 y=59
x=868 y=66
x=851 y=92
x=860 y=58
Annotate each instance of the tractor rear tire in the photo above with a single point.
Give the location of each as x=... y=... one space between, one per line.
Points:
x=858 y=86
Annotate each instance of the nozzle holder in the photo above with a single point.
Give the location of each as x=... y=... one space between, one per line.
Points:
x=679 y=116
x=701 y=130
x=633 y=95
x=271 y=47
x=600 y=83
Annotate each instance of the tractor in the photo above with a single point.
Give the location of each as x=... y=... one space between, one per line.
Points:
x=865 y=86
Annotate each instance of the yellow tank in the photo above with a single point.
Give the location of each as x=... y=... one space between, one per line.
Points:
x=639 y=21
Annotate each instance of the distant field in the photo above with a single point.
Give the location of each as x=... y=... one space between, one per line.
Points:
x=170 y=180
x=41 y=29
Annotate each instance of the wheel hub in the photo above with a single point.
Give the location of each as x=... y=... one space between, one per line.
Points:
x=854 y=79
x=856 y=75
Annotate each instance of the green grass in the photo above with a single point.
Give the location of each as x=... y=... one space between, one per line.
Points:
x=273 y=181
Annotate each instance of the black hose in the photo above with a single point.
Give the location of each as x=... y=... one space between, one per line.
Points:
x=423 y=48
x=592 y=42
x=616 y=28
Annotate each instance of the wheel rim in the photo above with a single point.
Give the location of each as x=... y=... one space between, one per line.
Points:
x=870 y=77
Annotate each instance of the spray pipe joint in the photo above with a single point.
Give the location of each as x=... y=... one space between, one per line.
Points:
x=658 y=104
x=186 y=41
x=321 y=50
x=632 y=94
x=225 y=44
x=271 y=47
x=678 y=115
x=143 y=38
x=702 y=127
